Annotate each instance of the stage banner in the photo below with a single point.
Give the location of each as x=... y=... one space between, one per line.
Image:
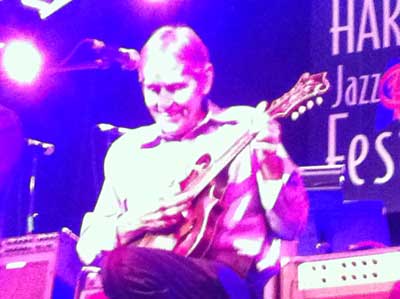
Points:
x=357 y=43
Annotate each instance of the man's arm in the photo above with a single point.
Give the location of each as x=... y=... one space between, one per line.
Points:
x=98 y=230
x=282 y=193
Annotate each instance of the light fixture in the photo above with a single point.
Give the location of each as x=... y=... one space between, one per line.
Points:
x=45 y=8
x=21 y=61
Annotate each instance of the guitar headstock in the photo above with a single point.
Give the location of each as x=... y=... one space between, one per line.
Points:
x=301 y=96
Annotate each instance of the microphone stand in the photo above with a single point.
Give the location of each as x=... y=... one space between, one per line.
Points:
x=30 y=220
x=39 y=148
x=98 y=64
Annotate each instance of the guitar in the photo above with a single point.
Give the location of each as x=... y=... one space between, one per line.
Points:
x=194 y=234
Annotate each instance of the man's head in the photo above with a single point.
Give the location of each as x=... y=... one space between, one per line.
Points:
x=176 y=75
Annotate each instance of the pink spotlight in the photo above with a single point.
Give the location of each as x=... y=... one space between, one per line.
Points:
x=22 y=61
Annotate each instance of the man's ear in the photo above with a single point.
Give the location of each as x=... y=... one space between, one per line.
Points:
x=208 y=78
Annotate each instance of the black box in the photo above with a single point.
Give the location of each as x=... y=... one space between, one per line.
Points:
x=39 y=266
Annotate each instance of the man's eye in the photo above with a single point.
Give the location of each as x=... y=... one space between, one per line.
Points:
x=153 y=88
x=175 y=87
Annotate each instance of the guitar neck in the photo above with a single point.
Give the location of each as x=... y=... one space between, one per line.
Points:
x=307 y=87
x=194 y=188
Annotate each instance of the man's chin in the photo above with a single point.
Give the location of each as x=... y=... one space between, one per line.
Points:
x=171 y=131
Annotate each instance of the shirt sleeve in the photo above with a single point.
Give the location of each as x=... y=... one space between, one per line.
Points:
x=285 y=199
x=98 y=229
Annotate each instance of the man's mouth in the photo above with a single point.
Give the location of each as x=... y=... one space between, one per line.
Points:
x=172 y=115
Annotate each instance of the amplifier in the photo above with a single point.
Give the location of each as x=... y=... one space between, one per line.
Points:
x=366 y=274
x=39 y=266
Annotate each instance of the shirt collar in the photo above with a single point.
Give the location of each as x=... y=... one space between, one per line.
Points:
x=211 y=121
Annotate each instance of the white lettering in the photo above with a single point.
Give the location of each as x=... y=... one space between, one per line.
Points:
x=333 y=158
x=386 y=158
x=354 y=161
x=351 y=92
x=389 y=23
x=374 y=93
x=368 y=85
x=358 y=151
x=382 y=34
x=368 y=15
x=364 y=80
x=339 y=93
x=336 y=28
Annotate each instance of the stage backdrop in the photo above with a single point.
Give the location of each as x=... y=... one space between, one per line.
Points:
x=356 y=41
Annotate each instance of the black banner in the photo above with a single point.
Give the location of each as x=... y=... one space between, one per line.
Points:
x=356 y=42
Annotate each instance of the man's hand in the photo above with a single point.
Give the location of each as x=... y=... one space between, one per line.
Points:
x=170 y=212
x=266 y=144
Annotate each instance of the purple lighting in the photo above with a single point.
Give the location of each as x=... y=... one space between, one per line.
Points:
x=22 y=61
x=170 y=3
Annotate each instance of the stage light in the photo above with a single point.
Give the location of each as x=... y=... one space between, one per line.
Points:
x=22 y=61
x=45 y=7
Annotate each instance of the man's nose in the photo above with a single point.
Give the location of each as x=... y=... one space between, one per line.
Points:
x=165 y=98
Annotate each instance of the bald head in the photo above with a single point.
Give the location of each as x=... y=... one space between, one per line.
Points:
x=180 y=43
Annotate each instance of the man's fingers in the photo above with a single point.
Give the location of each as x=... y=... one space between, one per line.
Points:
x=175 y=202
x=272 y=133
x=262 y=106
x=165 y=214
x=160 y=223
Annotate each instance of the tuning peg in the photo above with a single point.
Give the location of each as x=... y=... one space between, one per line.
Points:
x=310 y=105
x=302 y=109
x=295 y=115
x=319 y=100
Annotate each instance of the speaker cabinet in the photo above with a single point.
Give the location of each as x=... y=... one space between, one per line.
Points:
x=39 y=266
x=363 y=274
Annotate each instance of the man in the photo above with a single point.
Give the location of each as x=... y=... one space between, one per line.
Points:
x=11 y=142
x=259 y=192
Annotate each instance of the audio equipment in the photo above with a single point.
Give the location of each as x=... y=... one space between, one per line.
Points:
x=366 y=274
x=39 y=266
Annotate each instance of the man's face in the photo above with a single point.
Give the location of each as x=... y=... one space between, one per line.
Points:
x=173 y=98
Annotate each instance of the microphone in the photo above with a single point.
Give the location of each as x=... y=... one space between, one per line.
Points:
x=128 y=59
x=47 y=148
x=111 y=128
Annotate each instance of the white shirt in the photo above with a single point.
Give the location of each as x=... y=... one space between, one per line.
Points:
x=141 y=169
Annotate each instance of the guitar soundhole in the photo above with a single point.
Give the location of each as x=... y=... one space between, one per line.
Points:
x=204 y=161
